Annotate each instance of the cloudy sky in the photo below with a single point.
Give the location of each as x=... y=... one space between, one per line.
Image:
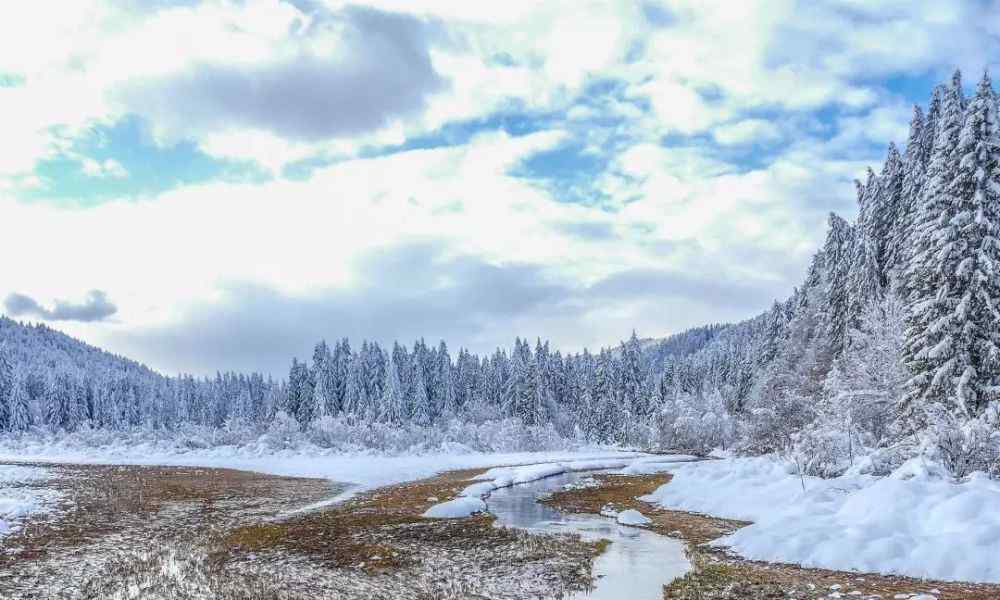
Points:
x=220 y=183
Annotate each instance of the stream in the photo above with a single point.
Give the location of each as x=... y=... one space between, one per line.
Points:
x=636 y=565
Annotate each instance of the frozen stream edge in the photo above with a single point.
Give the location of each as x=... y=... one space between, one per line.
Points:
x=636 y=565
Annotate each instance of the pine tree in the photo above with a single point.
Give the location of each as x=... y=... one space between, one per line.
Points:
x=632 y=377
x=837 y=253
x=519 y=393
x=928 y=350
x=866 y=271
x=6 y=385
x=914 y=174
x=393 y=410
x=323 y=391
x=19 y=418
x=970 y=325
x=929 y=135
x=445 y=382
x=890 y=219
x=355 y=398
x=420 y=409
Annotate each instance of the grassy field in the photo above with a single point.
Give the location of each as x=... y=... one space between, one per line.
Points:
x=179 y=533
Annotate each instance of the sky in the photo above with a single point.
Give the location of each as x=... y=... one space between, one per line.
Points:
x=219 y=184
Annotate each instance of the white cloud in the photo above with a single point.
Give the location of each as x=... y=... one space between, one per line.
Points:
x=712 y=62
x=746 y=131
x=108 y=168
x=712 y=71
x=160 y=258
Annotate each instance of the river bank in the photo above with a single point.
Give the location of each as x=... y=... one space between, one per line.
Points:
x=208 y=533
x=720 y=575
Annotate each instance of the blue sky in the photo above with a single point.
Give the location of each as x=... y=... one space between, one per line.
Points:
x=239 y=179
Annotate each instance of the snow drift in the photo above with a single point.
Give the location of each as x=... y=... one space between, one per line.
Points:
x=916 y=522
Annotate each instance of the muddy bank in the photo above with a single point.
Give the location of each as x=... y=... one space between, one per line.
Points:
x=178 y=533
x=722 y=576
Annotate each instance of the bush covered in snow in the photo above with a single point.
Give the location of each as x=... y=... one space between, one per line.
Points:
x=326 y=435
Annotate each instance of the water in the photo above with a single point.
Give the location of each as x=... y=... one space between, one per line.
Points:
x=635 y=566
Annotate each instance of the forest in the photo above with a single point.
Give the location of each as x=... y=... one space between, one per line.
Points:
x=888 y=349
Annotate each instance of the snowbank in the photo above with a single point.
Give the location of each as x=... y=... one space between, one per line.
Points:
x=470 y=500
x=17 y=503
x=656 y=464
x=459 y=508
x=915 y=522
x=633 y=518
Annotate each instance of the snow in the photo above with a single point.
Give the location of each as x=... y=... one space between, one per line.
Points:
x=364 y=470
x=656 y=464
x=470 y=500
x=915 y=522
x=633 y=517
x=459 y=508
x=17 y=502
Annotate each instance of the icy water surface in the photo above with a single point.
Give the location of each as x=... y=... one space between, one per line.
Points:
x=636 y=565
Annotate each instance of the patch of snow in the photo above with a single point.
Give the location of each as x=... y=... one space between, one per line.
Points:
x=633 y=518
x=459 y=508
x=916 y=522
x=582 y=484
x=18 y=503
x=656 y=464
x=470 y=500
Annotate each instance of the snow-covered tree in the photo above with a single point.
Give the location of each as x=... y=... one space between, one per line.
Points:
x=927 y=350
x=955 y=333
x=392 y=406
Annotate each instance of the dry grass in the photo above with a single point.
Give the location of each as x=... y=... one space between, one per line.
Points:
x=383 y=530
x=100 y=501
x=212 y=534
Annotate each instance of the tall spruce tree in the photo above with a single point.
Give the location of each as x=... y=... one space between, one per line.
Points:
x=837 y=252
x=914 y=173
x=891 y=216
x=971 y=341
x=928 y=353
x=6 y=385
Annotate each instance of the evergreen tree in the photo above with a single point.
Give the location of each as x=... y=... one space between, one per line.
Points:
x=393 y=409
x=6 y=385
x=891 y=216
x=19 y=415
x=928 y=353
x=866 y=271
x=914 y=173
x=837 y=252
x=968 y=322
x=420 y=409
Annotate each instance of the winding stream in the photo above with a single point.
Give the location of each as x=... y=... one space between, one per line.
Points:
x=636 y=565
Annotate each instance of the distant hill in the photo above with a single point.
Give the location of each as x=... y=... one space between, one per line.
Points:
x=33 y=347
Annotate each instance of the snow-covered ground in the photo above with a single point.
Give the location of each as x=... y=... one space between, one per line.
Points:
x=365 y=470
x=18 y=502
x=915 y=522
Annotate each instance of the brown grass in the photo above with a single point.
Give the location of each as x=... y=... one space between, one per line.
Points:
x=379 y=530
x=231 y=536
x=100 y=500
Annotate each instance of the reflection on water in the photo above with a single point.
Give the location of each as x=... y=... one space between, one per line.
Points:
x=635 y=566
